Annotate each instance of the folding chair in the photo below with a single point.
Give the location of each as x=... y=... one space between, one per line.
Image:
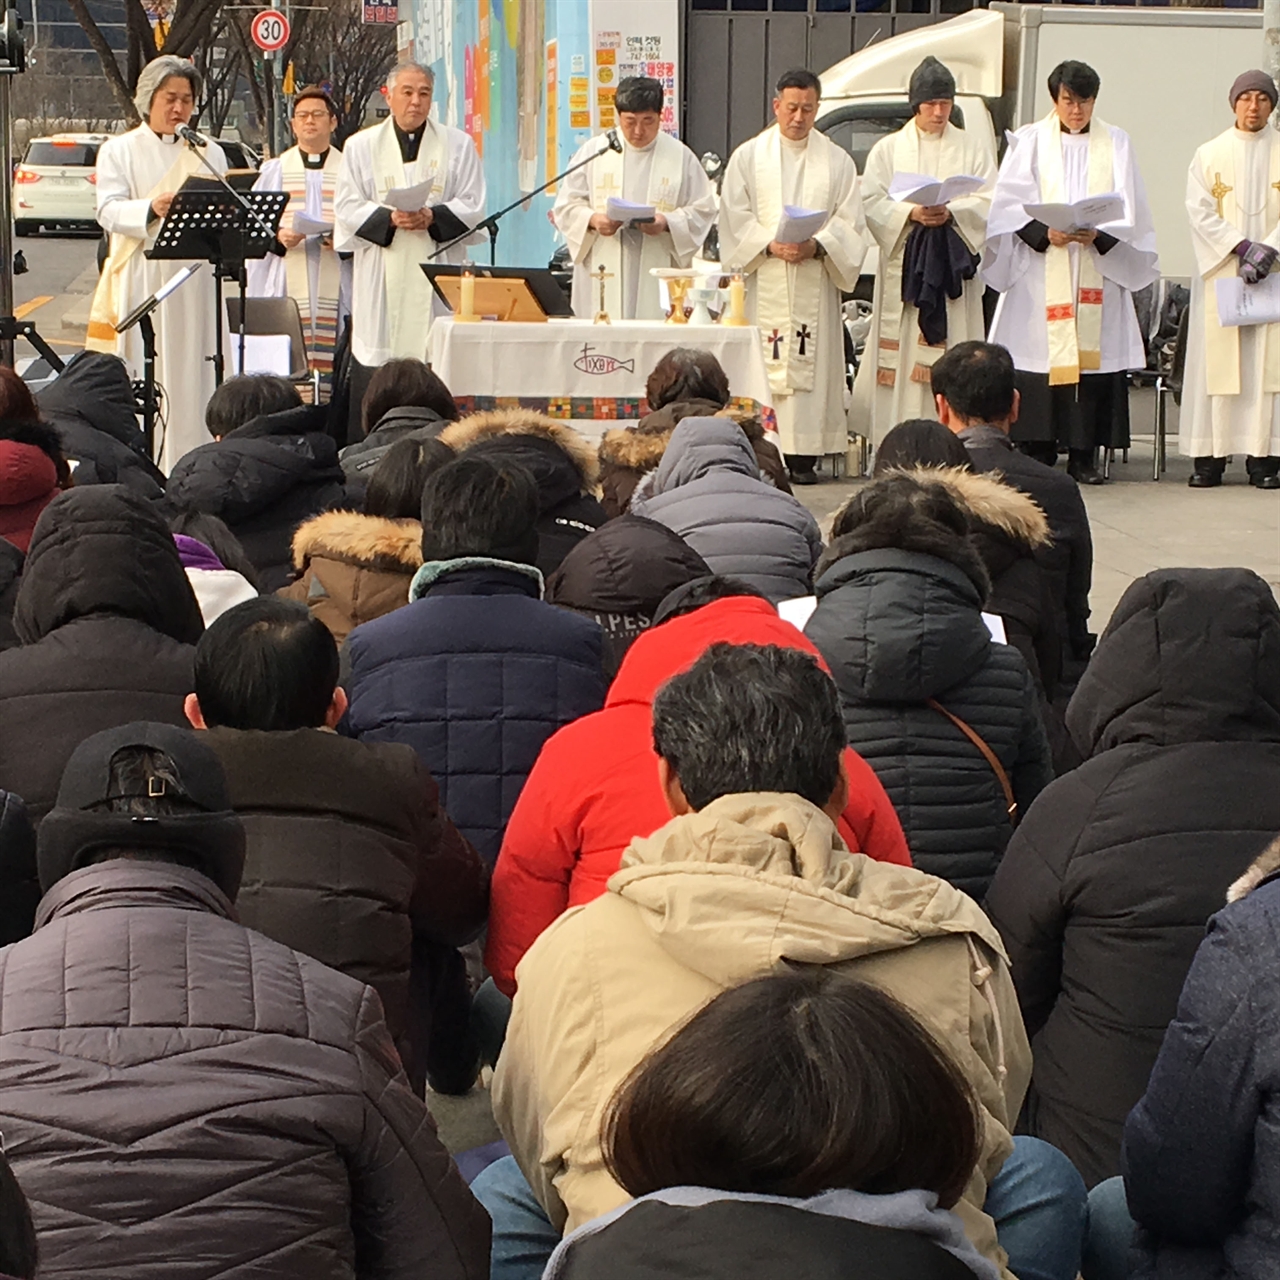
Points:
x=275 y=317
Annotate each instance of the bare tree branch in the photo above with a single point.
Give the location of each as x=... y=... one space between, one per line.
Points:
x=110 y=67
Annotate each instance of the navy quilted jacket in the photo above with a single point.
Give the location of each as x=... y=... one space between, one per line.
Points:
x=475 y=674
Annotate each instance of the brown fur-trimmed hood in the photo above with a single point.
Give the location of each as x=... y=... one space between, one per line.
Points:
x=1264 y=866
x=525 y=422
x=640 y=448
x=990 y=501
x=368 y=542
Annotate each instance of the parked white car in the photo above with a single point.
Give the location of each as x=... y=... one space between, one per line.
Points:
x=54 y=185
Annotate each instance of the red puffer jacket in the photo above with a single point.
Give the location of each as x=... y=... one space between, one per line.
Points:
x=595 y=787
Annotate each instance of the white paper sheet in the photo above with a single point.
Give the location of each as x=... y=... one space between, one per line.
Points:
x=919 y=188
x=409 y=199
x=1240 y=303
x=263 y=353
x=800 y=610
x=305 y=226
x=628 y=211
x=798 y=225
x=1092 y=211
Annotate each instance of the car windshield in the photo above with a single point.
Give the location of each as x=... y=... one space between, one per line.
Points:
x=858 y=135
x=81 y=154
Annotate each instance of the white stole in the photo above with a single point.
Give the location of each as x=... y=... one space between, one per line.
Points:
x=666 y=176
x=789 y=295
x=1075 y=325
x=409 y=294
x=1222 y=343
x=319 y=314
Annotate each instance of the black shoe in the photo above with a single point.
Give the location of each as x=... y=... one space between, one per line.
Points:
x=1085 y=473
x=1264 y=480
x=1204 y=479
x=804 y=477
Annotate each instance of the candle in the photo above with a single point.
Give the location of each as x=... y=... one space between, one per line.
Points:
x=467 y=300
x=737 y=313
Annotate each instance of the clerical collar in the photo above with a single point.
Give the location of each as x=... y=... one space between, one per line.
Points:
x=314 y=162
x=168 y=138
x=409 y=142
x=1068 y=132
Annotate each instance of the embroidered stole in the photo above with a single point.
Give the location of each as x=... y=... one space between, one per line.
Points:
x=319 y=313
x=104 y=310
x=906 y=159
x=789 y=295
x=666 y=177
x=1075 y=324
x=1222 y=344
x=409 y=296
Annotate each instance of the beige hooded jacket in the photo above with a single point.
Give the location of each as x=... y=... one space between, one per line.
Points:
x=707 y=902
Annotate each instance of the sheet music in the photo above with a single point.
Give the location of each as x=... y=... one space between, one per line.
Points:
x=1082 y=215
x=919 y=188
x=305 y=226
x=1240 y=303
x=798 y=225
x=410 y=199
x=628 y=211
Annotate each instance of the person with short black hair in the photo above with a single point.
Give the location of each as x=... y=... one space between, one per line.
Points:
x=268 y=1126
x=247 y=396
x=476 y=672
x=793 y=289
x=749 y=872
x=1066 y=297
x=837 y=1090
x=639 y=163
x=349 y=856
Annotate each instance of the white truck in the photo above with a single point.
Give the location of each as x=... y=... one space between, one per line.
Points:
x=1165 y=75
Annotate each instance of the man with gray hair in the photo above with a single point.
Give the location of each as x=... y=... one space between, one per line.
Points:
x=138 y=175
x=392 y=300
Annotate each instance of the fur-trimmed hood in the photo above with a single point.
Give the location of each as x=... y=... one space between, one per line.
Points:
x=990 y=501
x=640 y=448
x=524 y=422
x=368 y=542
x=1264 y=866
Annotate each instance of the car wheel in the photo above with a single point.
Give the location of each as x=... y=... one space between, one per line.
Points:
x=24 y=228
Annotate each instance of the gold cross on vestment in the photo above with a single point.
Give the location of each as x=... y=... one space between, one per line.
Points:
x=1218 y=190
x=610 y=184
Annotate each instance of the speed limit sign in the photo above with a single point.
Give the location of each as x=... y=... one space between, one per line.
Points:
x=270 y=30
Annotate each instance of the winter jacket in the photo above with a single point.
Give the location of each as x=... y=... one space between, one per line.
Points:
x=11 y=563
x=595 y=785
x=19 y=878
x=1105 y=888
x=898 y=628
x=708 y=489
x=684 y=1233
x=264 y=479
x=560 y=460
x=359 y=460
x=474 y=674
x=217 y=588
x=348 y=853
x=28 y=483
x=707 y=902
x=628 y=454
x=92 y=405
x=619 y=575
x=1069 y=558
x=1202 y=1147
x=353 y=568
x=258 y=1122
x=107 y=621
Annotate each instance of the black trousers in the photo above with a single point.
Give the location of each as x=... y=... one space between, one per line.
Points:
x=1089 y=414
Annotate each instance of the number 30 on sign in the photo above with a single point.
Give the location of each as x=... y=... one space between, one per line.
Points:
x=270 y=30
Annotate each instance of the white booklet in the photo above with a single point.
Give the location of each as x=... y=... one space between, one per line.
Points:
x=305 y=226
x=798 y=225
x=628 y=211
x=1082 y=215
x=919 y=188
x=409 y=199
x=1240 y=303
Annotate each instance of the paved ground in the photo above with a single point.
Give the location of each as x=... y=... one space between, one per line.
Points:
x=55 y=291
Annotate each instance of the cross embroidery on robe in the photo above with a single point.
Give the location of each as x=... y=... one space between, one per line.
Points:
x=776 y=338
x=610 y=184
x=1218 y=190
x=1091 y=297
x=1060 y=311
x=804 y=335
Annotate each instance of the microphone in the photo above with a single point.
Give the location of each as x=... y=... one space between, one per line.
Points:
x=189 y=135
x=615 y=143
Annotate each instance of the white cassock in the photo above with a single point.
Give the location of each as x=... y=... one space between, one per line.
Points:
x=893 y=380
x=797 y=305
x=665 y=174
x=1229 y=398
x=311 y=272
x=392 y=301
x=1069 y=310
x=132 y=170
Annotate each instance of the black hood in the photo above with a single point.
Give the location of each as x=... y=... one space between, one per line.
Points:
x=626 y=567
x=557 y=475
x=406 y=419
x=104 y=550
x=96 y=388
x=1190 y=655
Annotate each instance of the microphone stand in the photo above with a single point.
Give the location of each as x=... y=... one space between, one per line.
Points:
x=490 y=224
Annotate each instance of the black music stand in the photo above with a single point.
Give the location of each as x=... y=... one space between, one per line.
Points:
x=213 y=225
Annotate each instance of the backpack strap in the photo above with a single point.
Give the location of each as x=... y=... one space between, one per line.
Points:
x=988 y=755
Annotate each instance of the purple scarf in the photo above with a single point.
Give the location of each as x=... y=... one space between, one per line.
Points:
x=194 y=555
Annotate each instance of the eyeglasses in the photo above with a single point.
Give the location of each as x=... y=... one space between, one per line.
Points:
x=310 y=115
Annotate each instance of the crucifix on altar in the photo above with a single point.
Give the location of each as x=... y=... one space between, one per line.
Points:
x=601 y=275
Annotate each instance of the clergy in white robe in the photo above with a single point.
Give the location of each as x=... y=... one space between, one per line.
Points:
x=893 y=380
x=138 y=174
x=392 y=301
x=793 y=290
x=1231 y=387
x=651 y=169
x=1066 y=298
x=310 y=270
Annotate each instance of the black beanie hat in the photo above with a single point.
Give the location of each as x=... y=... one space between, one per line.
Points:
x=477 y=507
x=211 y=840
x=930 y=81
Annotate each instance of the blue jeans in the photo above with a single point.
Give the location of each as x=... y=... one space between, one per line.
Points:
x=1110 y=1238
x=1037 y=1201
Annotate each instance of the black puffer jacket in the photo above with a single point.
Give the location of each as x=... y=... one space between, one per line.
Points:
x=264 y=479
x=1104 y=891
x=898 y=628
x=92 y=406
x=410 y=421
x=11 y=562
x=107 y=620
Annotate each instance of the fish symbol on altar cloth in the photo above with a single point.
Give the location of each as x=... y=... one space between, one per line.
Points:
x=592 y=362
